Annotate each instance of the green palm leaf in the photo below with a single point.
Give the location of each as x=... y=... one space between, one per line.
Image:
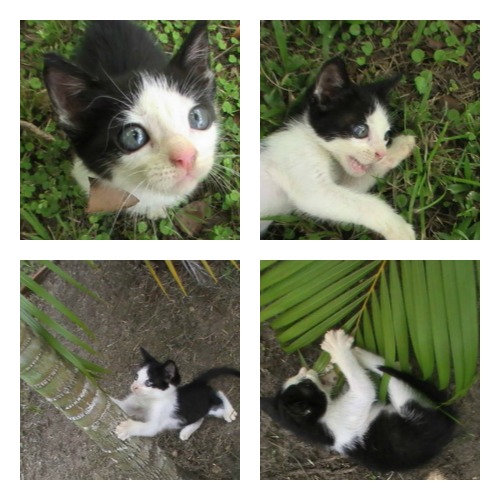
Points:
x=425 y=311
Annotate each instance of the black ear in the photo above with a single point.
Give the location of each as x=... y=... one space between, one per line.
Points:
x=66 y=85
x=194 y=52
x=382 y=88
x=172 y=375
x=146 y=356
x=331 y=80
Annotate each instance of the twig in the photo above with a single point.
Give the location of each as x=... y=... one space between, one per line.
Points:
x=37 y=131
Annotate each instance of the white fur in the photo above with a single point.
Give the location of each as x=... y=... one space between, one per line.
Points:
x=329 y=179
x=157 y=408
x=148 y=173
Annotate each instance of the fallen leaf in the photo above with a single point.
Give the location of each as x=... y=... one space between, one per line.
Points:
x=104 y=198
x=192 y=217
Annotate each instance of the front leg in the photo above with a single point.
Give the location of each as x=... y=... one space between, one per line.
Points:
x=330 y=201
x=129 y=428
x=338 y=345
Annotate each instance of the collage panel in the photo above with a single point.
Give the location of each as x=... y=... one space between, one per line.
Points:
x=130 y=370
x=130 y=130
x=370 y=130
x=369 y=369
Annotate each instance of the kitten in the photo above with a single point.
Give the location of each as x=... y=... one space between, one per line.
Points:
x=399 y=435
x=142 y=125
x=161 y=403
x=323 y=161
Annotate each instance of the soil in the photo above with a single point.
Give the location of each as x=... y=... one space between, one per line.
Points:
x=285 y=457
x=199 y=331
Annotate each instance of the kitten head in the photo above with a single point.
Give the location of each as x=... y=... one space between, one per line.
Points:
x=144 y=126
x=351 y=121
x=301 y=399
x=299 y=406
x=154 y=377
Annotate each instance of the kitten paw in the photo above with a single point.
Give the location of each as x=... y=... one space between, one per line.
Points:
x=400 y=149
x=230 y=415
x=336 y=342
x=329 y=378
x=400 y=231
x=123 y=430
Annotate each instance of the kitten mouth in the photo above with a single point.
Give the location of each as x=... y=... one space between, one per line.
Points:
x=356 y=166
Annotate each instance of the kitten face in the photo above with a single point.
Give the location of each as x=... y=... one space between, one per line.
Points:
x=154 y=378
x=351 y=121
x=144 y=124
x=179 y=150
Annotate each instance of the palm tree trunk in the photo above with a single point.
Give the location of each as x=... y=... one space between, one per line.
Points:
x=90 y=409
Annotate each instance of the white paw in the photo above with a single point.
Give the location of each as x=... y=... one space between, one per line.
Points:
x=400 y=231
x=123 y=430
x=400 y=149
x=185 y=433
x=336 y=342
x=230 y=415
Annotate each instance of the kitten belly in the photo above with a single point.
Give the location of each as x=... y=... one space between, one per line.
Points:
x=152 y=205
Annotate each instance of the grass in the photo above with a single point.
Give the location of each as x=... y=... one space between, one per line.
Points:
x=52 y=204
x=437 y=189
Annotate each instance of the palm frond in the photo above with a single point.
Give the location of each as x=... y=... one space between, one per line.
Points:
x=425 y=311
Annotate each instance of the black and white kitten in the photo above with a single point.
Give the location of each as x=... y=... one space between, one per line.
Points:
x=326 y=159
x=160 y=403
x=142 y=124
x=399 y=435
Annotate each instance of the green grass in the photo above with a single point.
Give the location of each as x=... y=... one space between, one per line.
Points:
x=437 y=189
x=52 y=204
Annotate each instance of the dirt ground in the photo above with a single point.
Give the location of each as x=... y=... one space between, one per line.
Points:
x=284 y=457
x=199 y=332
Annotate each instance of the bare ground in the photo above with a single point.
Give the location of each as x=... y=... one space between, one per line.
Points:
x=284 y=457
x=199 y=331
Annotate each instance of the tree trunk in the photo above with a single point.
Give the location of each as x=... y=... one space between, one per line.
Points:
x=90 y=409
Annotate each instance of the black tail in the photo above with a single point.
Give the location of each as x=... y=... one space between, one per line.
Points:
x=217 y=372
x=426 y=388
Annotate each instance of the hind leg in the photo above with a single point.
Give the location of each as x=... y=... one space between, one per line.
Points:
x=190 y=429
x=225 y=410
x=368 y=360
x=400 y=393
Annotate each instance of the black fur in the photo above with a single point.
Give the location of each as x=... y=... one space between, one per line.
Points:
x=299 y=409
x=394 y=442
x=91 y=94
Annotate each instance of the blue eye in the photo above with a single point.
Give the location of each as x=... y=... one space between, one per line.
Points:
x=200 y=118
x=148 y=383
x=360 y=131
x=388 y=136
x=132 y=137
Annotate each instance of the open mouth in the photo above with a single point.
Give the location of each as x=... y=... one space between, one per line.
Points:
x=356 y=166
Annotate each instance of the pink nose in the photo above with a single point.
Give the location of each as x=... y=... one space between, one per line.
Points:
x=183 y=158
x=380 y=154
